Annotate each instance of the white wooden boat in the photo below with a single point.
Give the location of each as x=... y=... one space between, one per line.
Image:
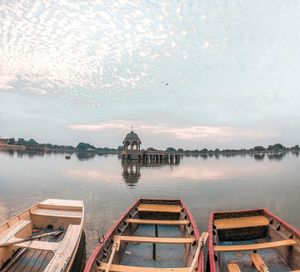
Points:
x=44 y=237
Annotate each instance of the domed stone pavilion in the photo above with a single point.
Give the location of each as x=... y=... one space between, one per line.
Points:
x=132 y=151
x=132 y=142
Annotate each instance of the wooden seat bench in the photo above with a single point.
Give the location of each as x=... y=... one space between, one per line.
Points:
x=57 y=213
x=233 y=268
x=157 y=222
x=155 y=240
x=41 y=245
x=61 y=204
x=126 y=268
x=258 y=246
x=259 y=263
x=241 y=222
x=159 y=208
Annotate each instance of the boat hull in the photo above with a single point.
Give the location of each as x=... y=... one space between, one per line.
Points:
x=235 y=235
x=139 y=219
x=43 y=238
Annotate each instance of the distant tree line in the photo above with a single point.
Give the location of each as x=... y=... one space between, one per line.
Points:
x=32 y=144
x=82 y=147
x=257 y=149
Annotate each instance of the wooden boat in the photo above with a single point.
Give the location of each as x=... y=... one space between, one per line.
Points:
x=253 y=240
x=43 y=238
x=151 y=236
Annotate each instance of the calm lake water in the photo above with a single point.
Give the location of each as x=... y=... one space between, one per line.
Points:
x=107 y=188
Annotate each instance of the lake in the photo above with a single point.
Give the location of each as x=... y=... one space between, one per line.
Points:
x=108 y=187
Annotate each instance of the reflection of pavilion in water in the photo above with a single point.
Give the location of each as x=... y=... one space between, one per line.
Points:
x=131 y=173
x=132 y=152
x=132 y=170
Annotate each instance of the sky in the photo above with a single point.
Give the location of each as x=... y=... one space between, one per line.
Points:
x=188 y=74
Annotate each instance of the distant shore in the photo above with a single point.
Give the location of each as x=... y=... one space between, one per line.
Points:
x=12 y=147
x=86 y=149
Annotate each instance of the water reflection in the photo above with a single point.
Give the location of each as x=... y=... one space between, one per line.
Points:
x=108 y=186
x=276 y=156
x=82 y=156
x=259 y=156
x=132 y=169
x=85 y=156
x=131 y=173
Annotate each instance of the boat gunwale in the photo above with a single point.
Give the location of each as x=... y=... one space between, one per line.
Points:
x=212 y=262
x=75 y=249
x=197 y=234
x=18 y=215
x=109 y=233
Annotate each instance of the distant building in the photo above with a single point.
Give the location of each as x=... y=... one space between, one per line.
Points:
x=132 y=151
x=132 y=142
x=5 y=146
x=3 y=141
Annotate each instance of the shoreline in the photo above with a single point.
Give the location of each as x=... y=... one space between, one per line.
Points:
x=12 y=147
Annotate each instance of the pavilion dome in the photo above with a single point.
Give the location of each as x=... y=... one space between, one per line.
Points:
x=132 y=136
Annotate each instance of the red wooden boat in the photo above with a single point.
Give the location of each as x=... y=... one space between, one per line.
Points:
x=252 y=240
x=151 y=236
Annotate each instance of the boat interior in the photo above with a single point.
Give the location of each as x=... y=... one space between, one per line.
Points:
x=43 y=238
x=254 y=241
x=152 y=236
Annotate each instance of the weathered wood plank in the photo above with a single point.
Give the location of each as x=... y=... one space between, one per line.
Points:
x=157 y=240
x=39 y=262
x=42 y=245
x=22 y=263
x=255 y=246
x=159 y=208
x=157 y=222
x=61 y=204
x=233 y=268
x=241 y=222
x=14 y=240
x=13 y=230
x=125 y=268
x=57 y=213
x=32 y=261
x=65 y=250
x=46 y=261
x=259 y=263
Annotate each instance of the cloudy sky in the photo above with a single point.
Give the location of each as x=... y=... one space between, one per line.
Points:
x=188 y=74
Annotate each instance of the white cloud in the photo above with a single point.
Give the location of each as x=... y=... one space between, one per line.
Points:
x=67 y=43
x=217 y=133
x=6 y=81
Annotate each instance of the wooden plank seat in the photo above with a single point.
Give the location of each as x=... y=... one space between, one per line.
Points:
x=159 y=208
x=41 y=245
x=258 y=246
x=259 y=263
x=61 y=204
x=126 y=268
x=155 y=240
x=11 y=231
x=241 y=222
x=233 y=268
x=57 y=213
x=157 y=222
